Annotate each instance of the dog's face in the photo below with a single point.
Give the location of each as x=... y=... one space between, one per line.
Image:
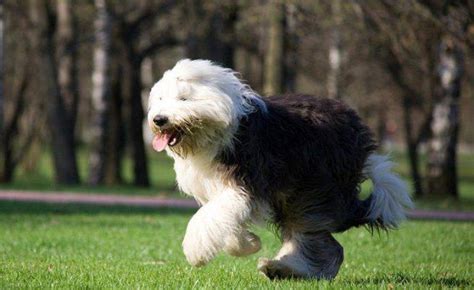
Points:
x=188 y=113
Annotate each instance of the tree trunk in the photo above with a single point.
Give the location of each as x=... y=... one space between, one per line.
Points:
x=2 y=117
x=135 y=115
x=210 y=38
x=194 y=27
x=291 y=48
x=335 y=52
x=412 y=147
x=116 y=142
x=274 y=56
x=100 y=95
x=140 y=164
x=219 y=45
x=67 y=59
x=62 y=137
x=441 y=166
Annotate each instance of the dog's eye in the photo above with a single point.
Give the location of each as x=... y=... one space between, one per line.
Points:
x=183 y=98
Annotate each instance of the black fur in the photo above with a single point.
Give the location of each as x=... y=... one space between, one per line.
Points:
x=305 y=158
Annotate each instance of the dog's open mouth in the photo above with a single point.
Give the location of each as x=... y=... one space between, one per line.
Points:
x=166 y=138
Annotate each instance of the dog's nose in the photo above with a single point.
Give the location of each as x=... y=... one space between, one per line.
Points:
x=160 y=120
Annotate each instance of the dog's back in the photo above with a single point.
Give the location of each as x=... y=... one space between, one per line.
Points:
x=305 y=157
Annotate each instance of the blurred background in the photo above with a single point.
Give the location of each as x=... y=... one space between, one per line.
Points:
x=75 y=77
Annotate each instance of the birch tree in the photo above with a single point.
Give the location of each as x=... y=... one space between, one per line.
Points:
x=100 y=95
x=441 y=166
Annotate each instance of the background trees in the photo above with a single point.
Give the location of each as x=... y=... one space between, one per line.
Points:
x=76 y=74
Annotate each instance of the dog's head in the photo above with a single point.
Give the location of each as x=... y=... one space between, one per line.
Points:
x=197 y=106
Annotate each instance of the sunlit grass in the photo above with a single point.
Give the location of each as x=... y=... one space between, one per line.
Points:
x=70 y=246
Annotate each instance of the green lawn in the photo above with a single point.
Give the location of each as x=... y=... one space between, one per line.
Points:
x=72 y=246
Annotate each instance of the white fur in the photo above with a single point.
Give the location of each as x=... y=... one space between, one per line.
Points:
x=217 y=224
x=390 y=194
x=200 y=90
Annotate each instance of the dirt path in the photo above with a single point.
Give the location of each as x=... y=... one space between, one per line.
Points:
x=161 y=202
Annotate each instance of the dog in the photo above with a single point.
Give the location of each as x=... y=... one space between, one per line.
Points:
x=294 y=161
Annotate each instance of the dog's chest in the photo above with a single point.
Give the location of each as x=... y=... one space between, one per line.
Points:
x=198 y=178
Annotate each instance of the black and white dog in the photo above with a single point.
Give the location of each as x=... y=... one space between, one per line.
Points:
x=295 y=161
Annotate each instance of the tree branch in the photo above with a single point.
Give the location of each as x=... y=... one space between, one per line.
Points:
x=160 y=42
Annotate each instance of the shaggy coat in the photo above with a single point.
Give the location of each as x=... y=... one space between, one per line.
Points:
x=296 y=161
x=305 y=158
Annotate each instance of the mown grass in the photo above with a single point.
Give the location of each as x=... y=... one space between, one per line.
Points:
x=78 y=246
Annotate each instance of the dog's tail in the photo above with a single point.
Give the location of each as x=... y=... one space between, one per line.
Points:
x=389 y=199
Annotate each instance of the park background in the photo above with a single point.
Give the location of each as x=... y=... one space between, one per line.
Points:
x=74 y=82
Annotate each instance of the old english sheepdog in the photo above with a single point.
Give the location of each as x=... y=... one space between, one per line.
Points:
x=294 y=161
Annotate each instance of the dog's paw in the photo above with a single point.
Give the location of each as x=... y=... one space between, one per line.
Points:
x=246 y=244
x=195 y=255
x=198 y=245
x=274 y=269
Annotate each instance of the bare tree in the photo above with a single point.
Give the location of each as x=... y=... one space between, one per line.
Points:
x=210 y=31
x=275 y=51
x=409 y=63
x=61 y=129
x=100 y=95
x=135 y=50
x=454 y=20
x=441 y=166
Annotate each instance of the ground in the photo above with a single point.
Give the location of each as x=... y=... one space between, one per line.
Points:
x=86 y=246
x=71 y=246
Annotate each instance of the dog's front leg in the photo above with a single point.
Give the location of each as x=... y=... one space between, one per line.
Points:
x=213 y=224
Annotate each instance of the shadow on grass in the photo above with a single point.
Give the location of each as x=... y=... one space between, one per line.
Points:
x=15 y=207
x=403 y=278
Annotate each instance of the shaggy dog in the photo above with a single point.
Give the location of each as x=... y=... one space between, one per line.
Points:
x=294 y=161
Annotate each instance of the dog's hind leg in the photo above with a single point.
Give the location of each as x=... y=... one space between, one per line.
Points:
x=309 y=255
x=242 y=244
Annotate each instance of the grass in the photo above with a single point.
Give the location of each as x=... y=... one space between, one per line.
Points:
x=78 y=246
x=41 y=177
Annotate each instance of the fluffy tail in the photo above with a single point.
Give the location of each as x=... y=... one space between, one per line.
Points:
x=389 y=199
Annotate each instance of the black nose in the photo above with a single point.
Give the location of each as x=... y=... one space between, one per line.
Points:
x=160 y=120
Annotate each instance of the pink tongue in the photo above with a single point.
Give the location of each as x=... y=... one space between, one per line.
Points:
x=160 y=141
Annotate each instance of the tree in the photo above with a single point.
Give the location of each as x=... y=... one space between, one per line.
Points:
x=455 y=20
x=100 y=95
x=335 y=53
x=116 y=141
x=59 y=120
x=66 y=54
x=275 y=50
x=403 y=47
x=441 y=165
x=210 y=31
x=1 y=83
x=136 y=48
